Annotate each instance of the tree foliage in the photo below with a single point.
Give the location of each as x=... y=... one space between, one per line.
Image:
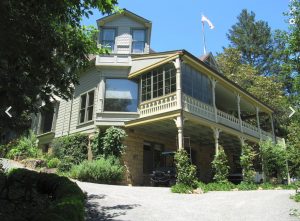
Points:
x=253 y=39
x=109 y=143
x=273 y=159
x=43 y=48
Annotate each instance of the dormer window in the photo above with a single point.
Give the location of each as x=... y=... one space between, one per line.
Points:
x=108 y=38
x=138 y=40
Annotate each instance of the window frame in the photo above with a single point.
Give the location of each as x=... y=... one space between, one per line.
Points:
x=149 y=76
x=132 y=42
x=102 y=35
x=121 y=112
x=86 y=107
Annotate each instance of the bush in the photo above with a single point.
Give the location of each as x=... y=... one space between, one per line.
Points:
x=247 y=186
x=73 y=146
x=296 y=197
x=109 y=143
x=273 y=160
x=247 y=159
x=181 y=188
x=186 y=172
x=53 y=163
x=65 y=164
x=103 y=170
x=25 y=147
x=220 y=166
x=67 y=198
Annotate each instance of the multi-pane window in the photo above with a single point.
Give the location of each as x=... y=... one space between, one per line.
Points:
x=108 y=38
x=86 y=107
x=196 y=84
x=138 y=40
x=158 y=82
x=121 y=95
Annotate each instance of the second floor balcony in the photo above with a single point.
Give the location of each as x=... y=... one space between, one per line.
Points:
x=169 y=88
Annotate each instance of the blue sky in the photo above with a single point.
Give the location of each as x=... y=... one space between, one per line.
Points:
x=177 y=24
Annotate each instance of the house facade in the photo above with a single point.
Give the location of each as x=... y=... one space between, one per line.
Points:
x=164 y=100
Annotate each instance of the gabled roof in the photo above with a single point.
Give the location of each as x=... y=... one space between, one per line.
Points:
x=210 y=60
x=124 y=12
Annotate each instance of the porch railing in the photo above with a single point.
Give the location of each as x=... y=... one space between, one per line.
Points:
x=250 y=129
x=198 y=108
x=228 y=120
x=194 y=106
x=157 y=106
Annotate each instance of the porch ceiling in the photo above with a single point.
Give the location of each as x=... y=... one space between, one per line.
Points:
x=199 y=134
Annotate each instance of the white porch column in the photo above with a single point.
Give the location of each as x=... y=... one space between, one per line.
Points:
x=272 y=125
x=214 y=83
x=177 y=65
x=257 y=120
x=179 y=124
x=238 y=99
x=101 y=92
x=216 y=137
x=242 y=140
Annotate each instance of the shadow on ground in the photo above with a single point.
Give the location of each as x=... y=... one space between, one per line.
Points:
x=96 y=212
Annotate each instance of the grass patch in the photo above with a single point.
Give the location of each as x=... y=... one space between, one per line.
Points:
x=181 y=188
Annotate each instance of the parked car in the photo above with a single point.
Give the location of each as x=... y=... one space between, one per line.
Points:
x=165 y=175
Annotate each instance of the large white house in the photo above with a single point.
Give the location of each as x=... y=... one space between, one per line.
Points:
x=164 y=101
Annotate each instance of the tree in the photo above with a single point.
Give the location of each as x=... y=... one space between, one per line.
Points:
x=253 y=39
x=43 y=49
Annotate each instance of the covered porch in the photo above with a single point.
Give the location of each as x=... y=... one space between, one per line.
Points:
x=169 y=132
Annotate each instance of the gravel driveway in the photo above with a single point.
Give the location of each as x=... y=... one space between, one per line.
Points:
x=108 y=202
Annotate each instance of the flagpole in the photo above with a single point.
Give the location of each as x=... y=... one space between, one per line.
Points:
x=204 y=43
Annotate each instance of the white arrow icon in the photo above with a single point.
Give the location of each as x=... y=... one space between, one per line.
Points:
x=8 y=112
x=293 y=111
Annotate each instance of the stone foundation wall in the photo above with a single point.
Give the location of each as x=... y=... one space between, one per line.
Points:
x=133 y=156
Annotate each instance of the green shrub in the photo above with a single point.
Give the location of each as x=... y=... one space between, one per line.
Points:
x=65 y=164
x=273 y=160
x=53 y=163
x=73 y=146
x=103 y=170
x=26 y=147
x=220 y=166
x=247 y=186
x=109 y=142
x=186 y=172
x=5 y=148
x=247 y=158
x=181 y=188
x=296 y=197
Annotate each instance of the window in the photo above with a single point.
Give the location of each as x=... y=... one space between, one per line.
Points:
x=48 y=118
x=138 y=40
x=108 y=38
x=159 y=82
x=121 y=95
x=86 y=107
x=196 y=84
x=152 y=157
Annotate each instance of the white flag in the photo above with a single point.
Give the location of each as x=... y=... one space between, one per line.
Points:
x=210 y=24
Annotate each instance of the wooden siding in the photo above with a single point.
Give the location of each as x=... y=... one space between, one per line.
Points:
x=124 y=25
